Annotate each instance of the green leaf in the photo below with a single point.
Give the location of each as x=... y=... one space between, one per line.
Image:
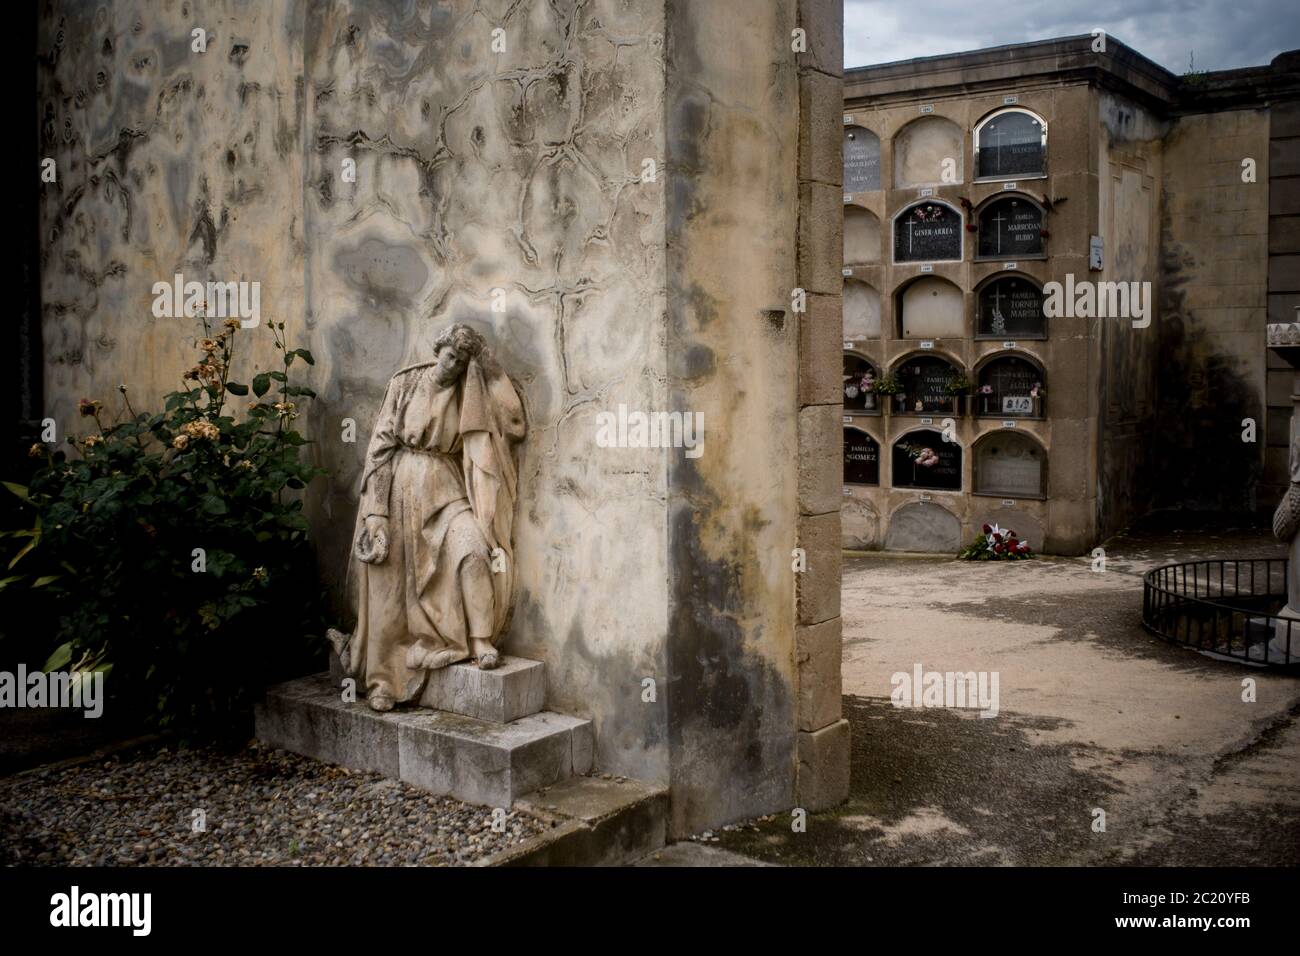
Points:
x=19 y=490
x=213 y=505
x=60 y=658
x=306 y=356
x=261 y=384
x=234 y=388
x=44 y=580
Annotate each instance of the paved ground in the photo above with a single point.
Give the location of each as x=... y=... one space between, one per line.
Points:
x=1095 y=714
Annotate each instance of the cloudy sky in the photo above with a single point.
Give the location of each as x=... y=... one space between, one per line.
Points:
x=1222 y=34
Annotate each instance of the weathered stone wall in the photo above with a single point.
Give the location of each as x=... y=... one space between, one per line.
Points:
x=1129 y=148
x=1214 y=271
x=168 y=161
x=385 y=169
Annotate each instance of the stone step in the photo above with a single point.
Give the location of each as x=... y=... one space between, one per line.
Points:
x=475 y=760
x=515 y=688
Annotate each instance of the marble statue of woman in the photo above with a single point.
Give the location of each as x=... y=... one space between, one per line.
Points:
x=432 y=562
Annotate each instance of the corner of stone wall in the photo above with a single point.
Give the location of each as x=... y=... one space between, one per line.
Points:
x=823 y=733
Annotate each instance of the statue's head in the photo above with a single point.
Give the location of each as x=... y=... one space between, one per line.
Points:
x=455 y=347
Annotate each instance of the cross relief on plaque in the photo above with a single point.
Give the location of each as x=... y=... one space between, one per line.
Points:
x=1013 y=143
x=1010 y=387
x=927 y=232
x=1011 y=307
x=1010 y=228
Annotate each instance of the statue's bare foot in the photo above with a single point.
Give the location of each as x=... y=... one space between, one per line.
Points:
x=380 y=702
x=485 y=654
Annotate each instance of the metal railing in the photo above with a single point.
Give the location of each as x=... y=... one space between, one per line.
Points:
x=1224 y=607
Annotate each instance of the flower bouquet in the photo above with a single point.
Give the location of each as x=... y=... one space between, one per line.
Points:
x=996 y=544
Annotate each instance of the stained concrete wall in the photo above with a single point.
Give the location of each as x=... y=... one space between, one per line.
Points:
x=1129 y=166
x=514 y=175
x=1213 y=271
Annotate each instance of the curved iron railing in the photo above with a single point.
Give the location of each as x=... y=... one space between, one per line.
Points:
x=1224 y=607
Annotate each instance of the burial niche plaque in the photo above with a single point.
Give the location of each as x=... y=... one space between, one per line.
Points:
x=1011 y=228
x=925 y=385
x=861 y=458
x=927 y=232
x=1009 y=464
x=922 y=459
x=1011 y=307
x=861 y=160
x=1012 y=143
x=1010 y=386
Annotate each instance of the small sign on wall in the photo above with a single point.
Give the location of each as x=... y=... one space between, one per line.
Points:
x=1008 y=345
x=848 y=119
x=1094 y=254
x=927 y=108
x=927 y=191
x=927 y=344
x=846 y=272
x=1017 y=405
x=1008 y=424
x=927 y=268
x=927 y=497
x=1008 y=186
x=1009 y=502
x=1010 y=100
x=1009 y=266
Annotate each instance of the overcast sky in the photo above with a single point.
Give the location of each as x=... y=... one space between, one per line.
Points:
x=1223 y=34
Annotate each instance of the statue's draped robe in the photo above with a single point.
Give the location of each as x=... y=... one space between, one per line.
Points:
x=439 y=467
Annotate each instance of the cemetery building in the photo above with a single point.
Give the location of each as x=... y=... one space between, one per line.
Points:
x=1060 y=260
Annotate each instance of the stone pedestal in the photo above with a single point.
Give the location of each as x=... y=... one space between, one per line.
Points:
x=488 y=742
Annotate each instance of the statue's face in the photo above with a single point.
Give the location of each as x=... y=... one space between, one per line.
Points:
x=450 y=365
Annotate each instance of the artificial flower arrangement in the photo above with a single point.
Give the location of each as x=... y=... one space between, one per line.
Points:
x=958 y=385
x=995 y=544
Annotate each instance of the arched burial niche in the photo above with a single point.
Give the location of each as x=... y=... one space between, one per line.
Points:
x=861 y=236
x=861 y=160
x=928 y=231
x=922 y=459
x=1010 y=386
x=1010 y=306
x=1010 y=143
x=928 y=152
x=1010 y=227
x=859 y=384
x=861 y=458
x=923 y=526
x=1010 y=464
x=861 y=310
x=931 y=308
x=924 y=380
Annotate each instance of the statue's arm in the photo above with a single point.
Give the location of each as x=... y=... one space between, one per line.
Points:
x=379 y=459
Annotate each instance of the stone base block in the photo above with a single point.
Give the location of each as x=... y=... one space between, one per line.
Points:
x=824 y=767
x=474 y=760
x=514 y=688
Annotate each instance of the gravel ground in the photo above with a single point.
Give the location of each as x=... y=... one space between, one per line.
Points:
x=263 y=807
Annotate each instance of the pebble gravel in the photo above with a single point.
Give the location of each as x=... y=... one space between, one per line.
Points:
x=260 y=807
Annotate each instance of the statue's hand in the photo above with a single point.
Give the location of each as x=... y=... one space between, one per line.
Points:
x=372 y=543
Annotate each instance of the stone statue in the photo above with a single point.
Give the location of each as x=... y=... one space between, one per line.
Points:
x=432 y=563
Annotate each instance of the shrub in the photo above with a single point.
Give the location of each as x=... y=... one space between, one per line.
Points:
x=172 y=547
